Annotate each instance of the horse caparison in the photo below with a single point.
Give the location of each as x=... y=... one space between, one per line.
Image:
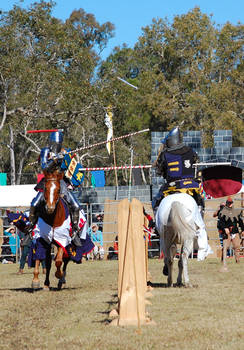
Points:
x=179 y=229
x=53 y=213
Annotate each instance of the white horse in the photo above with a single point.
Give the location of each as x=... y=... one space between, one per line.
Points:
x=179 y=221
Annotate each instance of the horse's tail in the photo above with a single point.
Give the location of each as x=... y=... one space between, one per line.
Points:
x=181 y=222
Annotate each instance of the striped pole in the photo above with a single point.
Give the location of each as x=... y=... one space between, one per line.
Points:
x=111 y=140
x=117 y=167
x=141 y=166
x=103 y=142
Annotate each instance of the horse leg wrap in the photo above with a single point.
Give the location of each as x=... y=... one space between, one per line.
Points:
x=35 y=285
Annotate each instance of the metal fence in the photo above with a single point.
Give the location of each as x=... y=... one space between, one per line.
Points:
x=95 y=214
x=107 y=223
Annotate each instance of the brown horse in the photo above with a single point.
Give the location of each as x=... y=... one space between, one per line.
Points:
x=53 y=212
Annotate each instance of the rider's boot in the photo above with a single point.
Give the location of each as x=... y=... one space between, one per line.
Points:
x=75 y=227
x=33 y=216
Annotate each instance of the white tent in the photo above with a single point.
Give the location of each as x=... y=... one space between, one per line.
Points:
x=16 y=196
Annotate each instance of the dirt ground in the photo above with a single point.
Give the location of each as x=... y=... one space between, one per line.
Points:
x=208 y=316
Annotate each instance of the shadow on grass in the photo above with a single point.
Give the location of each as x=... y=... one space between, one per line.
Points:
x=25 y=273
x=25 y=290
x=110 y=306
x=157 y=285
x=165 y=285
x=31 y=290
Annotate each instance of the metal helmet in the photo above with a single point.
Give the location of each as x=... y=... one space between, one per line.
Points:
x=173 y=138
x=55 y=141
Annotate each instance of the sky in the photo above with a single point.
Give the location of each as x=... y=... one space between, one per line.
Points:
x=129 y=16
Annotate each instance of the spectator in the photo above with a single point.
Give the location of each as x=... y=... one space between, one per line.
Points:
x=217 y=214
x=113 y=251
x=97 y=238
x=153 y=236
x=14 y=240
x=230 y=222
x=99 y=221
x=25 y=244
x=6 y=253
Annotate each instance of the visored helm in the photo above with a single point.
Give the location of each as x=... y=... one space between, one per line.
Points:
x=173 y=138
x=55 y=141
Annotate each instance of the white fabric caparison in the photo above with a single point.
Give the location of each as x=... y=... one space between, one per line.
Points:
x=189 y=203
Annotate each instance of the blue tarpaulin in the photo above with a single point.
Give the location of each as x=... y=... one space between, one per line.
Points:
x=3 y=179
x=98 y=178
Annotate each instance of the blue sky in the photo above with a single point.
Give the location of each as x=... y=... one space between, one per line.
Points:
x=130 y=16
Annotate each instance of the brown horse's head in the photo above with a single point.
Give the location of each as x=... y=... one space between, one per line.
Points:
x=52 y=190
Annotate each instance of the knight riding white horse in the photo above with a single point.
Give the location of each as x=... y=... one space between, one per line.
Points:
x=192 y=217
x=175 y=163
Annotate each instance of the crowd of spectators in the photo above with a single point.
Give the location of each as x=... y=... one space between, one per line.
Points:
x=17 y=244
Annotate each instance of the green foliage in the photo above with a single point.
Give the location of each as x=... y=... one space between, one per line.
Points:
x=46 y=76
x=190 y=74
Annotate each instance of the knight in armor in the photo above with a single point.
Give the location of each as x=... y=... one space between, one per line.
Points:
x=175 y=164
x=51 y=159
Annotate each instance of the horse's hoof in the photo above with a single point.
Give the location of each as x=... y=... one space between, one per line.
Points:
x=188 y=285
x=46 y=288
x=60 y=284
x=58 y=274
x=165 y=270
x=179 y=284
x=35 y=285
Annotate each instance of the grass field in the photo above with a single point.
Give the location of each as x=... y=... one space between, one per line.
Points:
x=208 y=316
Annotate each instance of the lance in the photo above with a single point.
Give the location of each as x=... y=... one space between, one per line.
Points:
x=111 y=140
x=103 y=142
x=126 y=82
x=142 y=166
x=117 y=167
x=44 y=130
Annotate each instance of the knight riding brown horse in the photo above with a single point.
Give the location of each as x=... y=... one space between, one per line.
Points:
x=53 y=212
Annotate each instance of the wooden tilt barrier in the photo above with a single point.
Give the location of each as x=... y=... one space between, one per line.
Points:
x=132 y=276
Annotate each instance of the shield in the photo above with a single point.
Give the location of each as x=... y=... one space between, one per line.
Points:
x=73 y=170
x=222 y=180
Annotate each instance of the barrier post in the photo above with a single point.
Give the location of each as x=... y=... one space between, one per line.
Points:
x=132 y=278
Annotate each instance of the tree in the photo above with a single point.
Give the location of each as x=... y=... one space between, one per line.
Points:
x=46 y=78
x=190 y=74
